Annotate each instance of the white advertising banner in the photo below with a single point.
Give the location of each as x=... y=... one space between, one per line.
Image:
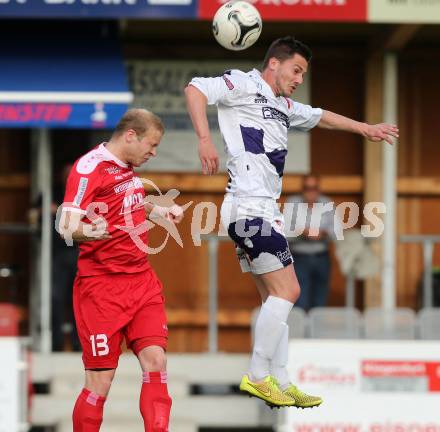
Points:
x=13 y=391
x=367 y=386
x=158 y=86
x=404 y=11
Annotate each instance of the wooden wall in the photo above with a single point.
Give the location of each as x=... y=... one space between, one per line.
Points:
x=338 y=85
x=14 y=203
x=419 y=157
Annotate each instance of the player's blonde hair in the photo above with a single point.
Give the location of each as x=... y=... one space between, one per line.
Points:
x=140 y=120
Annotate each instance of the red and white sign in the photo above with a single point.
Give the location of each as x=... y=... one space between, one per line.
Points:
x=392 y=412
x=367 y=386
x=428 y=369
x=298 y=10
x=380 y=368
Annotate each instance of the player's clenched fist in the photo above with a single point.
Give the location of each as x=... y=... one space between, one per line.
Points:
x=173 y=214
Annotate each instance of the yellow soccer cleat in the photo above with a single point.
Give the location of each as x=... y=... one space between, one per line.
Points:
x=302 y=400
x=267 y=390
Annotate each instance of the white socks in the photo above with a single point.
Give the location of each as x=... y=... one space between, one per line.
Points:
x=269 y=329
x=279 y=361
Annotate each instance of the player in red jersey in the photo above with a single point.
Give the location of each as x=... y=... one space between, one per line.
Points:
x=117 y=295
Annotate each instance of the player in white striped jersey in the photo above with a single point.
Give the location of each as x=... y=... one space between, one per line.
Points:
x=255 y=113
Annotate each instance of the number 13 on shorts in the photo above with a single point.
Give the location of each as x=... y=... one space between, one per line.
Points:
x=99 y=345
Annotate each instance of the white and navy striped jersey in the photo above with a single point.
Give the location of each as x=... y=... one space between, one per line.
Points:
x=254 y=125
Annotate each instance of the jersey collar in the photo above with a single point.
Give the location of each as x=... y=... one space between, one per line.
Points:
x=262 y=85
x=108 y=155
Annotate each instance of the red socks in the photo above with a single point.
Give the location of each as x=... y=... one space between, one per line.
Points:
x=155 y=406
x=155 y=403
x=87 y=414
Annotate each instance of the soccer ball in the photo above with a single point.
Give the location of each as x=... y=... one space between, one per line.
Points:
x=237 y=25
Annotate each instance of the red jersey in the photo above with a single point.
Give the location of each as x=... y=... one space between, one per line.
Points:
x=100 y=185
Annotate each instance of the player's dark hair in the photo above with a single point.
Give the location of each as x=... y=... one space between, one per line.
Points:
x=140 y=120
x=285 y=48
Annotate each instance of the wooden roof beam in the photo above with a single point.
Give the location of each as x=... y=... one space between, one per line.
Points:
x=400 y=36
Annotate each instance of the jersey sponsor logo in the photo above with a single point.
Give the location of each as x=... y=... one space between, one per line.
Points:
x=260 y=99
x=273 y=113
x=122 y=175
x=229 y=85
x=82 y=186
x=284 y=256
x=134 y=183
x=130 y=201
x=112 y=170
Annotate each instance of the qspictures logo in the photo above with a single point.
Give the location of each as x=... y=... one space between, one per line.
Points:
x=204 y=217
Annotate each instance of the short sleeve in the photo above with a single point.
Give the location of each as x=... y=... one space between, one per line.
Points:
x=303 y=117
x=81 y=188
x=226 y=89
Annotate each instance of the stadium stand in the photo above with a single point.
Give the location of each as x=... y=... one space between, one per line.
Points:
x=429 y=323
x=335 y=323
x=399 y=323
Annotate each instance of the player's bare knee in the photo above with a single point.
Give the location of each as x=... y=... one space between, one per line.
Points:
x=99 y=381
x=287 y=293
x=103 y=382
x=153 y=359
x=157 y=362
x=290 y=296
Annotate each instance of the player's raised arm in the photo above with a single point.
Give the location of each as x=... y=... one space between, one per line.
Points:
x=378 y=132
x=196 y=103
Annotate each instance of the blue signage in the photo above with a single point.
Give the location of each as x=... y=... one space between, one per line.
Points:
x=176 y=9
x=61 y=115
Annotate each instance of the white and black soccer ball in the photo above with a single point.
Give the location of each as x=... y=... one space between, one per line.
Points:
x=237 y=25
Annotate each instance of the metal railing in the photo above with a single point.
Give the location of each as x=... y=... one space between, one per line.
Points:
x=213 y=242
x=428 y=242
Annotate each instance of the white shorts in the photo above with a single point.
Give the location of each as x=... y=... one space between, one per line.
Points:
x=261 y=245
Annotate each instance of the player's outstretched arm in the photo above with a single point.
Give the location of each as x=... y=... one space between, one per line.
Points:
x=378 y=132
x=71 y=227
x=196 y=103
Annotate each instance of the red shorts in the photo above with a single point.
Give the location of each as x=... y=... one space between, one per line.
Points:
x=113 y=306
